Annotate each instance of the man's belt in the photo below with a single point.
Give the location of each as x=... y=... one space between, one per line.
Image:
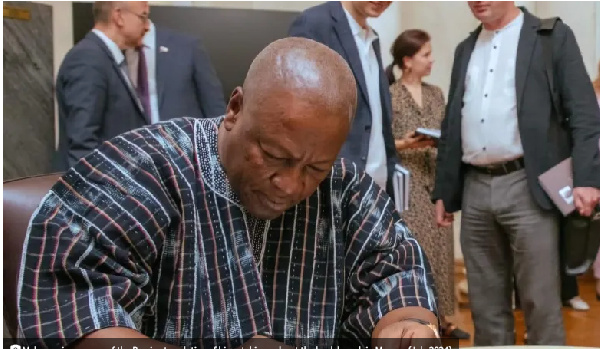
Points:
x=500 y=169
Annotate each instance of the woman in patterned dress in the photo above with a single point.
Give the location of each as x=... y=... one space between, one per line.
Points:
x=418 y=104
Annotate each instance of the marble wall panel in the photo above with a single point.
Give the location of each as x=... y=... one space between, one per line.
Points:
x=28 y=92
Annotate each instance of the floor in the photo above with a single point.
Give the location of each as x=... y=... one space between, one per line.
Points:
x=583 y=328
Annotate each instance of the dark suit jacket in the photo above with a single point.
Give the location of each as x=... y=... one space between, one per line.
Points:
x=546 y=141
x=94 y=101
x=186 y=81
x=327 y=24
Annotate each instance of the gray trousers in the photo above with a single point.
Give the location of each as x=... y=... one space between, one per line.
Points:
x=504 y=234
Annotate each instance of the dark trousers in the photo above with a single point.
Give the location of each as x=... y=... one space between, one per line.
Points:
x=568 y=283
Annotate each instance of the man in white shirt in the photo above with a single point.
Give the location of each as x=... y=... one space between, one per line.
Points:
x=499 y=134
x=343 y=27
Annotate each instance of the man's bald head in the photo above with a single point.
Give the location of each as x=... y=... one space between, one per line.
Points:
x=306 y=69
x=284 y=129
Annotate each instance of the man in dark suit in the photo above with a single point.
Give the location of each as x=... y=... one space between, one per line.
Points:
x=499 y=134
x=178 y=76
x=96 y=100
x=343 y=27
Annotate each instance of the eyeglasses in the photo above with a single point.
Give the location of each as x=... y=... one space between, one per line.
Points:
x=142 y=17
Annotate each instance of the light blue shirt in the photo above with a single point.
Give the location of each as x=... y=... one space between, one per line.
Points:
x=376 y=165
x=150 y=54
x=112 y=47
x=118 y=56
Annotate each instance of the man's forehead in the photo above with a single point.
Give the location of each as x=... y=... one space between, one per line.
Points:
x=282 y=132
x=139 y=5
x=295 y=133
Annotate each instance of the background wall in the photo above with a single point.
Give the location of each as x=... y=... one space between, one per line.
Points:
x=62 y=33
x=447 y=22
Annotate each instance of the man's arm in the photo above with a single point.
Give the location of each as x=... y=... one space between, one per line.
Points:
x=442 y=217
x=84 y=95
x=92 y=244
x=209 y=90
x=441 y=153
x=579 y=103
x=388 y=278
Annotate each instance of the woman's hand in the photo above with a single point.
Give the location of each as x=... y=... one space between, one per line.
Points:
x=413 y=141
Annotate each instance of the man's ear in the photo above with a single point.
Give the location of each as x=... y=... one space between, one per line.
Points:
x=234 y=108
x=116 y=14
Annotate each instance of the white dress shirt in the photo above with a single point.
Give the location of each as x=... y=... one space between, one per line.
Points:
x=149 y=43
x=490 y=128
x=376 y=159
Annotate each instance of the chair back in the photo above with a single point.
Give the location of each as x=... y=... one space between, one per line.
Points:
x=21 y=198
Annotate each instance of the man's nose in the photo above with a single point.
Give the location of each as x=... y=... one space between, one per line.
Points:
x=289 y=181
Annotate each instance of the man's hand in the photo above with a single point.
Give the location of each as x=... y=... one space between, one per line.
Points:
x=404 y=334
x=586 y=199
x=442 y=218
